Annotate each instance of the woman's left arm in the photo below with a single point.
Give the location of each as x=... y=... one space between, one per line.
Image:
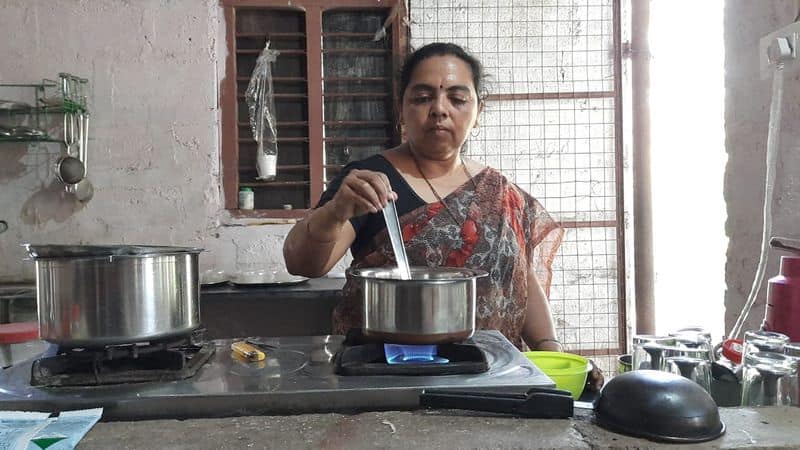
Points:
x=538 y=331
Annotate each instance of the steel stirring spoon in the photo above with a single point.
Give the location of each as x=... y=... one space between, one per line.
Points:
x=396 y=236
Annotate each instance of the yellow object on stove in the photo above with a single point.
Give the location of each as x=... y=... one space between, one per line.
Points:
x=247 y=351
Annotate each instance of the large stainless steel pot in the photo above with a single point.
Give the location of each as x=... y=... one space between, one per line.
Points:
x=437 y=305
x=90 y=296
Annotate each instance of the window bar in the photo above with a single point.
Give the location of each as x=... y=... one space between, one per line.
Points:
x=618 y=168
x=316 y=147
x=230 y=132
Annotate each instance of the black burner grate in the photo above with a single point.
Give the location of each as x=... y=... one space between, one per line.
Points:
x=131 y=363
x=361 y=357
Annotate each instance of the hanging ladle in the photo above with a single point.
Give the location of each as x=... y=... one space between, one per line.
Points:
x=70 y=169
x=83 y=189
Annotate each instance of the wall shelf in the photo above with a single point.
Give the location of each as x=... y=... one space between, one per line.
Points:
x=12 y=139
x=21 y=121
x=333 y=90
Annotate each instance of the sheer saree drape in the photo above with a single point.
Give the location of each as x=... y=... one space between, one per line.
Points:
x=505 y=231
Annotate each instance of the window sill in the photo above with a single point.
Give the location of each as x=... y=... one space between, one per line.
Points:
x=267 y=216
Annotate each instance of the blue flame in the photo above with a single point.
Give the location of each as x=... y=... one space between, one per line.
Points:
x=412 y=354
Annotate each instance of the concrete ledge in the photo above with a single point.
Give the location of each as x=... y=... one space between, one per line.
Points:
x=746 y=428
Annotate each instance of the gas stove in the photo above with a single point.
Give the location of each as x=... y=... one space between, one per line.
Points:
x=168 y=360
x=299 y=375
x=361 y=356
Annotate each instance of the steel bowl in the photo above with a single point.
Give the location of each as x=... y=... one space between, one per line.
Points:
x=436 y=306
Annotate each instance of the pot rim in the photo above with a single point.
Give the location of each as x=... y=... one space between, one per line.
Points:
x=75 y=252
x=470 y=274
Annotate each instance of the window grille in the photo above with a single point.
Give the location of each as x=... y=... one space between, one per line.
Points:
x=551 y=125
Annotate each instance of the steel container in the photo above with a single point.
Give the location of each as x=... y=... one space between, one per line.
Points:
x=437 y=305
x=93 y=296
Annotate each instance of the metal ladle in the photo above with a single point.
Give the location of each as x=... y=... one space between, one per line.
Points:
x=70 y=169
x=83 y=189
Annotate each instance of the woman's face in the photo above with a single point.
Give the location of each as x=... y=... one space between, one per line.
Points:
x=440 y=106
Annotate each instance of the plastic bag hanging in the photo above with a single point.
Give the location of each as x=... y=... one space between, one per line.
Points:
x=261 y=106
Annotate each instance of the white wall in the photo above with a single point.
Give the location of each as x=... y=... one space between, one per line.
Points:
x=746 y=122
x=154 y=68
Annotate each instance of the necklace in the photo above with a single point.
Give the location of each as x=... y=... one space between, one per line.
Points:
x=460 y=223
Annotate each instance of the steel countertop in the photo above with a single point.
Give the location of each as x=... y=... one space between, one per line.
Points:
x=298 y=377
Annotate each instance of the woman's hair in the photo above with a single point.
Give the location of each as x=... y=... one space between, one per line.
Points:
x=442 y=49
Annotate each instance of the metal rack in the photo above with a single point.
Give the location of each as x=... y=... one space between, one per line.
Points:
x=65 y=96
x=21 y=122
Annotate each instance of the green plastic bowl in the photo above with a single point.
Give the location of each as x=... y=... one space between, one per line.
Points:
x=567 y=370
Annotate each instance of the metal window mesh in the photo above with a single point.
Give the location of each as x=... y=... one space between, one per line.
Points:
x=549 y=126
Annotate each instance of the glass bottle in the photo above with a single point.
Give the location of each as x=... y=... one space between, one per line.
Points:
x=642 y=357
x=763 y=341
x=695 y=369
x=698 y=334
x=769 y=379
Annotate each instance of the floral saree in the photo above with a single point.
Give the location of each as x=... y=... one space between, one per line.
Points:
x=487 y=223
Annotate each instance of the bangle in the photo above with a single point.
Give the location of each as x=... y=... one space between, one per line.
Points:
x=542 y=341
x=311 y=235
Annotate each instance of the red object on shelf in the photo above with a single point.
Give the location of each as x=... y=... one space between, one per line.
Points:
x=783 y=300
x=18 y=332
x=732 y=349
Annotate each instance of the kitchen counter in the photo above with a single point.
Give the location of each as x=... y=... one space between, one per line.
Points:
x=746 y=428
x=298 y=376
x=321 y=286
x=24 y=293
x=316 y=286
x=304 y=309
x=227 y=310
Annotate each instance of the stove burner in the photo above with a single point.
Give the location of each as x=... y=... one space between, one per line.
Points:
x=129 y=363
x=412 y=354
x=359 y=356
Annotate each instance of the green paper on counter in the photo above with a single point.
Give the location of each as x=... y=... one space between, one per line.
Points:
x=39 y=431
x=44 y=443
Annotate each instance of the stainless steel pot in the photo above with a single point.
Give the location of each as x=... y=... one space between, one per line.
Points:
x=437 y=305
x=91 y=296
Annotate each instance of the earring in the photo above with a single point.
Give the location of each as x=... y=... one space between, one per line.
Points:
x=475 y=132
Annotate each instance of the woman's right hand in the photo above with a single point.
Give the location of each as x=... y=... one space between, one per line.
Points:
x=361 y=192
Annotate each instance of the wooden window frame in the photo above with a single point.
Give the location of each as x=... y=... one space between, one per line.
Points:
x=313 y=10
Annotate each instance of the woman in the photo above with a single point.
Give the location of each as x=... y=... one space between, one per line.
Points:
x=453 y=211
